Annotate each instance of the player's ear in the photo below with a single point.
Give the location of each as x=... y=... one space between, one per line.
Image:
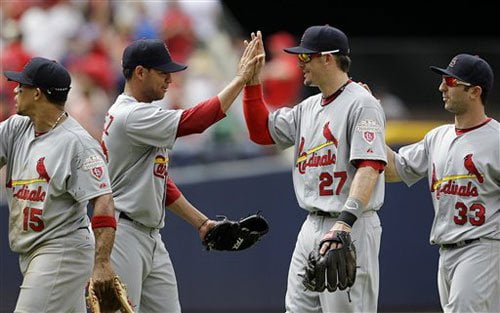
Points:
x=38 y=93
x=329 y=58
x=139 y=71
x=475 y=92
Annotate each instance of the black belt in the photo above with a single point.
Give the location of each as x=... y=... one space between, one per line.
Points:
x=125 y=217
x=459 y=244
x=324 y=213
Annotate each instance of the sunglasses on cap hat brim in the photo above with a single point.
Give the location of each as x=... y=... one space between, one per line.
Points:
x=307 y=57
x=454 y=82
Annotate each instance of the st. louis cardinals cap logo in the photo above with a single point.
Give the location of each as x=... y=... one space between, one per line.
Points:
x=453 y=62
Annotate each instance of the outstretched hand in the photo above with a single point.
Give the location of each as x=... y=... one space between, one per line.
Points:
x=261 y=57
x=249 y=60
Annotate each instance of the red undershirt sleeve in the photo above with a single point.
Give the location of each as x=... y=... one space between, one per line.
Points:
x=198 y=118
x=375 y=164
x=256 y=115
x=173 y=193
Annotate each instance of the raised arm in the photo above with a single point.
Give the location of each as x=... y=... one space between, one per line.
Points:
x=254 y=106
x=198 y=118
x=246 y=69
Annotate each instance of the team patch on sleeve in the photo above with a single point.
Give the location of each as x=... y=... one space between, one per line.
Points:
x=92 y=162
x=97 y=172
x=369 y=129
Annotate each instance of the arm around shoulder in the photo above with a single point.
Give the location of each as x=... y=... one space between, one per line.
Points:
x=391 y=175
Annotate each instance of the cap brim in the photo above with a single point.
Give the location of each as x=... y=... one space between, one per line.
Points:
x=442 y=71
x=18 y=77
x=299 y=50
x=171 y=67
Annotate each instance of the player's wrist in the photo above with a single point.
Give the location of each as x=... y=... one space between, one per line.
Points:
x=341 y=226
x=353 y=208
x=203 y=223
x=99 y=221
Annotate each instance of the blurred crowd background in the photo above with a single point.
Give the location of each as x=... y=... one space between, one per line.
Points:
x=88 y=37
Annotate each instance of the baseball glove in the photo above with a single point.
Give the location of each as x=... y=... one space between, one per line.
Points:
x=228 y=235
x=119 y=302
x=338 y=265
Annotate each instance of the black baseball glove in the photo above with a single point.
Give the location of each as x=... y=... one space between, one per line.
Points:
x=338 y=265
x=229 y=235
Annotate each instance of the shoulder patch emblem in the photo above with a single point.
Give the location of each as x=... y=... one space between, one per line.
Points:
x=369 y=136
x=91 y=162
x=97 y=172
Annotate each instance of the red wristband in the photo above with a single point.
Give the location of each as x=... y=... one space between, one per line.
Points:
x=99 y=221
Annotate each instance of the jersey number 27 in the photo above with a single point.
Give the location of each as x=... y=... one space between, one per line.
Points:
x=326 y=180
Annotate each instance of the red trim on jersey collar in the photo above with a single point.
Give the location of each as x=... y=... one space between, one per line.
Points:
x=461 y=131
x=333 y=96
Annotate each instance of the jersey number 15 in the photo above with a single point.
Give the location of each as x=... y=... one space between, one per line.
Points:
x=32 y=219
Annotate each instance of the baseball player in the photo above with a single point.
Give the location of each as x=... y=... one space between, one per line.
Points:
x=136 y=137
x=338 y=137
x=462 y=164
x=54 y=168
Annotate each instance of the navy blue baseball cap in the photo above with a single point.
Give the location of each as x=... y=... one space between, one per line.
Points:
x=469 y=69
x=46 y=74
x=322 y=39
x=150 y=53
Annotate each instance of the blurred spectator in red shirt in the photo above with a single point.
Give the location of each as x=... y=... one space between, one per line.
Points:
x=282 y=78
x=13 y=57
x=177 y=31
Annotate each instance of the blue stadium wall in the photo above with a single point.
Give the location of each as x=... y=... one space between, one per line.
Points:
x=255 y=280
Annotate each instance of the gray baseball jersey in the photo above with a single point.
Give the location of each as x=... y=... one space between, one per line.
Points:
x=50 y=179
x=327 y=139
x=464 y=179
x=136 y=137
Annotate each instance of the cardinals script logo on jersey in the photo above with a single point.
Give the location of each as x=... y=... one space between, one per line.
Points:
x=311 y=158
x=449 y=184
x=33 y=194
x=160 y=166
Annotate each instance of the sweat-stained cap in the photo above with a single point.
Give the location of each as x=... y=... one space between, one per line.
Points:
x=469 y=69
x=46 y=74
x=322 y=39
x=150 y=53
